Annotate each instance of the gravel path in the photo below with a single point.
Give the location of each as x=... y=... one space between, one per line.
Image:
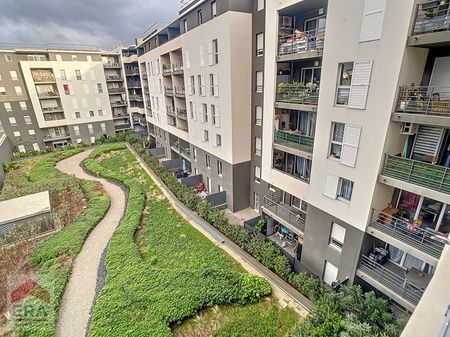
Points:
x=81 y=291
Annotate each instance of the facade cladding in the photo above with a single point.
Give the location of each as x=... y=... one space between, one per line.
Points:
x=353 y=184
x=329 y=175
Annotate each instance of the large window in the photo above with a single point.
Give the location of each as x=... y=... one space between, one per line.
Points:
x=296 y=166
x=345 y=190
x=344 y=83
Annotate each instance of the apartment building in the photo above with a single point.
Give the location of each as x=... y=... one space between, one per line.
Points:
x=198 y=107
x=356 y=178
x=53 y=97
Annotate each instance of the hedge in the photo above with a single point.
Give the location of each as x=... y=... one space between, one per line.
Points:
x=143 y=298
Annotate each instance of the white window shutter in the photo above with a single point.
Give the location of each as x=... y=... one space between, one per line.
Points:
x=331 y=186
x=372 y=21
x=210 y=53
x=350 y=145
x=202 y=56
x=217 y=109
x=359 y=88
x=216 y=85
x=190 y=88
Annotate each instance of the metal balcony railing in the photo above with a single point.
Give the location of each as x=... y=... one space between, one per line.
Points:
x=116 y=90
x=54 y=116
x=166 y=69
x=425 y=240
x=301 y=42
x=419 y=173
x=136 y=98
x=294 y=140
x=43 y=78
x=168 y=91
x=177 y=67
x=132 y=72
x=118 y=103
x=396 y=283
x=113 y=78
x=50 y=137
x=424 y=100
x=48 y=94
x=298 y=93
x=432 y=16
x=51 y=109
x=171 y=111
x=111 y=65
x=179 y=91
x=273 y=203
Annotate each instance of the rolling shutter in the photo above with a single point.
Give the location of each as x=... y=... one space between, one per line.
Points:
x=427 y=140
x=331 y=185
x=350 y=144
x=372 y=21
x=359 y=88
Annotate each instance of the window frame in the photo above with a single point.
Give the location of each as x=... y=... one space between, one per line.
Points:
x=335 y=142
x=340 y=86
x=340 y=195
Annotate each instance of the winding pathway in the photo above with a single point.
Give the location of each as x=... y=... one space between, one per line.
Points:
x=80 y=292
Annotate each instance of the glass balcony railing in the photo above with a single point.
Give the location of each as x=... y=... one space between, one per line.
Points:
x=294 y=140
x=298 y=93
x=424 y=100
x=419 y=173
x=432 y=16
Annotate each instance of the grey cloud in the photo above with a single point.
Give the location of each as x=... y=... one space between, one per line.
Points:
x=99 y=22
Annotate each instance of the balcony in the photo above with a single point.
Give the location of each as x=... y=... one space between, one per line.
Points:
x=168 y=91
x=418 y=173
x=294 y=140
x=285 y=214
x=424 y=105
x=56 y=136
x=121 y=115
x=182 y=114
x=171 y=111
x=297 y=96
x=166 y=70
x=47 y=78
x=432 y=25
x=138 y=98
x=301 y=45
x=292 y=165
x=118 y=104
x=393 y=281
x=114 y=78
x=180 y=92
x=132 y=72
x=111 y=65
x=122 y=127
x=48 y=94
x=177 y=68
x=113 y=91
x=140 y=121
x=52 y=109
x=48 y=117
x=424 y=240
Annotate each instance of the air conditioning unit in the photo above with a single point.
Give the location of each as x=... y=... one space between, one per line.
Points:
x=286 y=22
x=409 y=128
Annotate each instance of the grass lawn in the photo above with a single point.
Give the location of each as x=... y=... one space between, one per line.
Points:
x=161 y=270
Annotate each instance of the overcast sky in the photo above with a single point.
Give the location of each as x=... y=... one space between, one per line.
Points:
x=87 y=22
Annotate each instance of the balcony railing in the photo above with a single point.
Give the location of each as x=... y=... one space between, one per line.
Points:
x=171 y=111
x=136 y=98
x=48 y=94
x=424 y=100
x=432 y=16
x=398 y=284
x=118 y=104
x=294 y=140
x=44 y=78
x=425 y=240
x=419 y=173
x=132 y=72
x=182 y=113
x=116 y=90
x=180 y=92
x=113 y=78
x=298 y=93
x=273 y=203
x=177 y=68
x=54 y=116
x=51 y=109
x=51 y=137
x=301 y=42
x=168 y=91
x=144 y=76
x=185 y=151
x=166 y=69
x=124 y=126
x=111 y=65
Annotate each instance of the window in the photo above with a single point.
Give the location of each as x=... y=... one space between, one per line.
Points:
x=58 y=57
x=18 y=91
x=31 y=132
x=204 y=113
x=23 y=106
x=337 y=236
x=12 y=121
x=330 y=273
x=353 y=84
x=76 y=129
x=103 y=126
x=90 y=128
x=205 y=135
x=16 y=134
x=344 y=82
x=192 y=110
x=259 y=81
x=27 y=120
x=78 y=74
x=201 y=85
x=259 y=44
x=258 y=146
x=74 y=58
x=258 y=115
x=99 y=88
x=100 y=112
x=21 y=148
x=213 y=52
x=36 y=58
x=208 y=161
x=36 y=147
x=299 y=204
x=214 y=9
x=191 y=86
x=260 y=5
x=215 y=115
x=66 y=89
x=194 y=153
x=345 y=189
x=345 y=142
x=218 y=140
x=77 y=114
x=13 y=75
x=202 y=56
x=219 y=168
x=257 y=174
x=91 y=113
x=200 y=17
x=336 y=140
x=8 y=58
x=220 y=188
x=185 y=26
x=7 y=106
x=2 y=91
x=214 y=80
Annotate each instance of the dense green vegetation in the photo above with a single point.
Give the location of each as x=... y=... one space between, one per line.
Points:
x=171 y=272
x=52 y=258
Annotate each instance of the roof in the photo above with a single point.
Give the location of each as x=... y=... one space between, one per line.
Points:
x=24 y=207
